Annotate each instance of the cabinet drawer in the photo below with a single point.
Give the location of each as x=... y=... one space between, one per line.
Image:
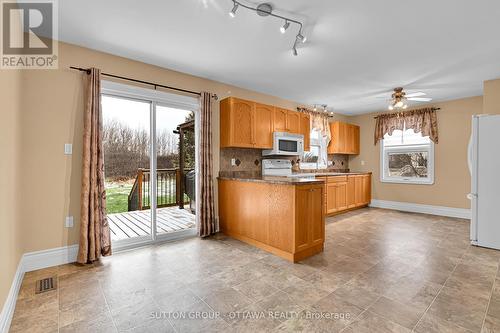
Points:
x=337 y=179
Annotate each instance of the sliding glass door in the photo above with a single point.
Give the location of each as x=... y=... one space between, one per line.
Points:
x=148 y=199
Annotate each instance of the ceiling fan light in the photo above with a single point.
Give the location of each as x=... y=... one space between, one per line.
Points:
x=232 y=13
x=284 y=27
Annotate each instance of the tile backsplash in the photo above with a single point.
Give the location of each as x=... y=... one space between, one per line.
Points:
x=249 y=160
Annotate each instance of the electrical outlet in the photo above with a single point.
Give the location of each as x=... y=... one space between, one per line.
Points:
x=68 y=149
x=233 y=162
x=69 y=222
x=362 y=162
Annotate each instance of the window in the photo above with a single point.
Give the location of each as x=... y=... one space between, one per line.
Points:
x=407 y=157
x=316 y=157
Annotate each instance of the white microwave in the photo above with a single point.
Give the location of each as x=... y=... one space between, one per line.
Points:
x=286 y=144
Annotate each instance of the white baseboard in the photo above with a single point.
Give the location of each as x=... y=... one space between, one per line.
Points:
x=48 y=258
x=424 y=209
x=10 y=303
x=29 y=262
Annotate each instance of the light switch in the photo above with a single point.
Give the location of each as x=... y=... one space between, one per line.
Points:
x=68 y=149
x=69 y=222
x=362 y=162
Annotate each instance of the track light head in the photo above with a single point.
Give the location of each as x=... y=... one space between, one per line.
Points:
x=284 y=27
x=301 y=37
x=294 y=51
x=232 y=13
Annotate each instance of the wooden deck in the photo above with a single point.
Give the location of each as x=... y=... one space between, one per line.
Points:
x=138 y=223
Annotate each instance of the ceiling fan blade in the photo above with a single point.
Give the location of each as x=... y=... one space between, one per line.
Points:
x=420 y=99
x=416 y=94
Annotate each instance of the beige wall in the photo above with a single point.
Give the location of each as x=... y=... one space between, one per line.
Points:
x=52 y=116
x=10 y=243
x=452 y=179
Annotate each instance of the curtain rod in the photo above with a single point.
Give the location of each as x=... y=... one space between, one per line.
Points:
x=155 y=85
x=433 y=109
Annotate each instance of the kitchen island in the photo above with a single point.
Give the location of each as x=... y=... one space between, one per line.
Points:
x=283 y=216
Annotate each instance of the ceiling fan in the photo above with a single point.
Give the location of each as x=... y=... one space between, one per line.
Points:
x=399 y=98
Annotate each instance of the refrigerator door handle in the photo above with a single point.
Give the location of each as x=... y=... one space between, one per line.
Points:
x=469 y=154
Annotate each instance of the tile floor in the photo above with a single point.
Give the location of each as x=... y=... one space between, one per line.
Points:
x=381 y=271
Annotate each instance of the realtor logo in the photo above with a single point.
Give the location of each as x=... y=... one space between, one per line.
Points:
x=29 y=34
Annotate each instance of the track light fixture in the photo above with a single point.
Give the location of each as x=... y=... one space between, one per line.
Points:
x=284 y=27
x=232 y=13
x=266 y=9
x=301 y=38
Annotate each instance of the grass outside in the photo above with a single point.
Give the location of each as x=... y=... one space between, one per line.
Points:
x=117 y=196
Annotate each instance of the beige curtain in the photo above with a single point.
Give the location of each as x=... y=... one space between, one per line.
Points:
x=421 y=120
x=207 y=211
x=319 y=122
x=94 y=229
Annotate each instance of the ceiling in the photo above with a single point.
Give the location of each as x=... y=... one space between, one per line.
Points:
x=357 y=51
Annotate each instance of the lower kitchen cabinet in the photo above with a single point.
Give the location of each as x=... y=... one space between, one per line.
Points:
x=346 y=192
x=283 y=219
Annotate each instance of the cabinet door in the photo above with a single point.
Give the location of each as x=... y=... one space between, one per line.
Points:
x=305 y=130
x=280 y=116
x=263 y=121
x=349 y=139
x=341 y=196
x=317 y=218
x=293 y=122
x=359 y=190
x=331 y=197
x=302 y=229
x=356 y=140
x=351 y=192
x=241 y=122
x=367 y=189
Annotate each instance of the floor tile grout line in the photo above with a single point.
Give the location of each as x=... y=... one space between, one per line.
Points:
x=107 y=305
x=440 y=289
x=491 y=296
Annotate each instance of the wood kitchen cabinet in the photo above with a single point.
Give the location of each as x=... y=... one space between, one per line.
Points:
x=310 y=226
x=284 y=219
x=287 y=121
x=245 y=124
x=293 y=122
x=305 y=130
x=263 y=126
x=345 y=138
x=346 y=192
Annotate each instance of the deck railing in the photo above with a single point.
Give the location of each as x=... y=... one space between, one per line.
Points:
x=168 y=191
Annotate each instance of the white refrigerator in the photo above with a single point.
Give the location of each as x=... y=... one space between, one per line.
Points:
x=484 y=166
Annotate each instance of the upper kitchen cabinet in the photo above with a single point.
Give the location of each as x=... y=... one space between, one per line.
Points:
x=287 y=121
x=345 y=138
x=293 y=122
x=263 y=126
x=280 y=120
x=305 y=130
x=245 y=124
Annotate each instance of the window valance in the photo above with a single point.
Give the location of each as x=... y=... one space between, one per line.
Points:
x=421 y=120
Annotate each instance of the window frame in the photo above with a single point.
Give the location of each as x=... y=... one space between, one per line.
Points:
x=314 y=141
x=384 y=154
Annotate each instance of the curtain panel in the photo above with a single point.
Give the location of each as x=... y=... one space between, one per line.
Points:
x=319 y=122
x=95 y=238
x=421 y=121
x=207 y=210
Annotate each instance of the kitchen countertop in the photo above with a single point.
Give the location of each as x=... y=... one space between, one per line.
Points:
x=275 y=180
x=309 y=174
